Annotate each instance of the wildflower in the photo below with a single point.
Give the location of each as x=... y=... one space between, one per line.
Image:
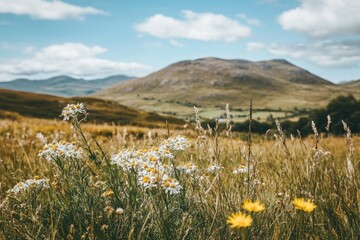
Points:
x=108 y=194
x=304 y=205
x=178 y=143
x=109 y=210
x=147 y=181
x=214 y=168
x=41 y=138
x=239 y=220
x=72 y=111
x=61 y=149
x=119 y=211
x=188 y=168
x=30 y=183
x=253 y=206
x=104 y=227
x=164 y=152
x=172 y=186
x=127 y=159
x=241 y=169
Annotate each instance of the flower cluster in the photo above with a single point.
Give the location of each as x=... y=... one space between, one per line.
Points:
x=141 y=159
x=149 y=164
x=155 y=174
x=188 y=168
x=178 y=143
x=72 y=111
x=30 y=184
x=241 y=220
x=241 y=169
x=214 y=168
x=61 y=149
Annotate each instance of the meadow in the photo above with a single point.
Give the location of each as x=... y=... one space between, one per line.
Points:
x=76 y=180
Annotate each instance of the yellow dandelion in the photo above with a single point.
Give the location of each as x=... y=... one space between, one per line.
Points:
x=239 y=220
x=253 y=206
x=304 y=205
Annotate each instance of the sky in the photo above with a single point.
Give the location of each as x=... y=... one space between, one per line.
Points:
x=96 y=38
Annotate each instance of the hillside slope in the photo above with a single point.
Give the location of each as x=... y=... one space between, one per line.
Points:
x=352 y=84
x=63 y=85
x=15 y=103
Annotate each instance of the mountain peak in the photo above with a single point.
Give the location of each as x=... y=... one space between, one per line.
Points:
x=282 y=61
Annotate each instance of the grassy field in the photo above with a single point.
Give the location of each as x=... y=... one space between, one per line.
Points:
x=111 y=182
x=185 y=110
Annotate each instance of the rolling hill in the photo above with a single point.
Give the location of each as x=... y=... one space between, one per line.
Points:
x=63 y=85
x=213 y=82
x=352 y=84
x=22 y=104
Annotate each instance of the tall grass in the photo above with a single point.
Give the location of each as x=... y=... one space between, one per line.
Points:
x=89 y=197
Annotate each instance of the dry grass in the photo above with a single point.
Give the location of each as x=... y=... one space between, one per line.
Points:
x=280 y=170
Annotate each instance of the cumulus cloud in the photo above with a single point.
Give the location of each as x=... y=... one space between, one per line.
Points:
x=45 y=9
x=250 y=21
x=197 y=26
x=322 y=18
x=344 y=54
x=73 y=59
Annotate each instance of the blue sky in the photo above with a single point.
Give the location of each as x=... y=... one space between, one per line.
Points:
x=96 y=38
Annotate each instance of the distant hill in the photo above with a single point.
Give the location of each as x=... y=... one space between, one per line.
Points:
x=16 y=104
x=63 y=85
x=213 y=82
x=352 y=84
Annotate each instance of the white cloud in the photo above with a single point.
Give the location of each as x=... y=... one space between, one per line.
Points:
x=251 y=46
x=344 y=54
x=45 y=9
x=321 y=18
x=176 y=43
x=197 y=26
x=250 y=21
x=73 y=59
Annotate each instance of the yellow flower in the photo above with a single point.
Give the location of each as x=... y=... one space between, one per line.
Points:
x=108 y=193
x=253 y=206
x=239 y=220
x=306 y=206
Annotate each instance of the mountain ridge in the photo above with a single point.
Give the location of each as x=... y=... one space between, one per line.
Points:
x=63 y=85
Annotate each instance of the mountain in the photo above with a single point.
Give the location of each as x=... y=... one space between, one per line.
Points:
x=14 y=104
x=63 y=85
x=213 y=82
